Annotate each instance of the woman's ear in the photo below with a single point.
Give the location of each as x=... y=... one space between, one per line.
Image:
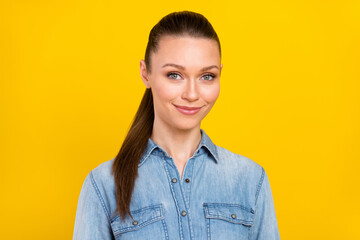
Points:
x=144 y=74
x=221 y=67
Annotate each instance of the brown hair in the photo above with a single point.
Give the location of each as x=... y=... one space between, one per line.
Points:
x=125 y=166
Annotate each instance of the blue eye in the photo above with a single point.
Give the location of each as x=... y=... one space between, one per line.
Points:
x=208 y=77
x=174 y=76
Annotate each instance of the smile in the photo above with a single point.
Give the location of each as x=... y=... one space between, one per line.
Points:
x=187 y=110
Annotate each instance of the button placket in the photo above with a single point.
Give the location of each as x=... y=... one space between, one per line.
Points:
x=176 y=187
x=186 y=182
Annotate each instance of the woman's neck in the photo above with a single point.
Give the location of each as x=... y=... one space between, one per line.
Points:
x=179 y=144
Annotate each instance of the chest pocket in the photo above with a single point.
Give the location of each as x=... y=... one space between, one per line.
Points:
x=147 y=223
x=228 y=221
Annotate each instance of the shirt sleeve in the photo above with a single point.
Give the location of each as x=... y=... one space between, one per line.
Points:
x=92 y=217
x=265 y=225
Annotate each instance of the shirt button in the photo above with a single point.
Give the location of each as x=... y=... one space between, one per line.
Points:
x=187 y=180
x=135 y=223
x=233 y=216
x=183 y=213
x=174 y=180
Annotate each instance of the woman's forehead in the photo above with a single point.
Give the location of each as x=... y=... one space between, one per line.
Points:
x=186 y=50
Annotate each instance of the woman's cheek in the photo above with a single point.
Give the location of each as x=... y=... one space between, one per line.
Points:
x=211 y=94
x=169 y=92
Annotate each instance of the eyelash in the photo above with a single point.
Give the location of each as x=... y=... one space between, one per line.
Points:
x=174 y=73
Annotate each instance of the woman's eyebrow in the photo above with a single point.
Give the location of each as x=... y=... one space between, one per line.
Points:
x=183 y=68
x=174 y=65
x=209 y=67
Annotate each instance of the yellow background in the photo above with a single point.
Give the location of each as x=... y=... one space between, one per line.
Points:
x=70 y=86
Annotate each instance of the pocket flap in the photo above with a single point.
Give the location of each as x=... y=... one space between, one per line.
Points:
x=141 y=218
x=234 y=213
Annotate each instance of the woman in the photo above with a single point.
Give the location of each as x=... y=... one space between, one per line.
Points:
x=169 y=180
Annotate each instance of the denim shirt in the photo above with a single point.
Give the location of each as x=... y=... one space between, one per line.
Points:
x=222 y=195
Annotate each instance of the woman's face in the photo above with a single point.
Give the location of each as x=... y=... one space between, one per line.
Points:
x=184 y=80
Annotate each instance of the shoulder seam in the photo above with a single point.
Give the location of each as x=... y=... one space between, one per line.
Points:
x=99 y=195
x=260 y=184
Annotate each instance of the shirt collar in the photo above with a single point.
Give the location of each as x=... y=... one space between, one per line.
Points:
x=205 y=142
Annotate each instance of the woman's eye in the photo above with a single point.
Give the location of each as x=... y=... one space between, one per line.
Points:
x=208 y=77
x=174 y=76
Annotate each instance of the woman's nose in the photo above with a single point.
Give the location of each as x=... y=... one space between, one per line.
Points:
x=191 y=91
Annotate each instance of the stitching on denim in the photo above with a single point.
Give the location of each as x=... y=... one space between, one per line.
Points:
x=173 y=194
x=240 y=221
x=249 y=232
x=212 y=215
x=165 y=229
x=137 y=227
x=215 y=156
x=190 y=224
x=255 y=221
x=158 y=208
x=259 y=185
x=192 y=174
x=144 y=158
x=208 y=228
x=207 y=222
x=99 y=195
x=208 y=217
x=256 y=199
x=210 y=145
x=191 y=171
x=184 y=200
x=228 y=205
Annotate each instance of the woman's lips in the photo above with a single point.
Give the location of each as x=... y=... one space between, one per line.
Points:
x=187 y=110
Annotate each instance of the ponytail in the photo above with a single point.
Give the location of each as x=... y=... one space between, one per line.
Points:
x=125 y=166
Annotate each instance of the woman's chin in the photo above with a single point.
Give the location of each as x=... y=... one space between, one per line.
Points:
x=187 y=125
